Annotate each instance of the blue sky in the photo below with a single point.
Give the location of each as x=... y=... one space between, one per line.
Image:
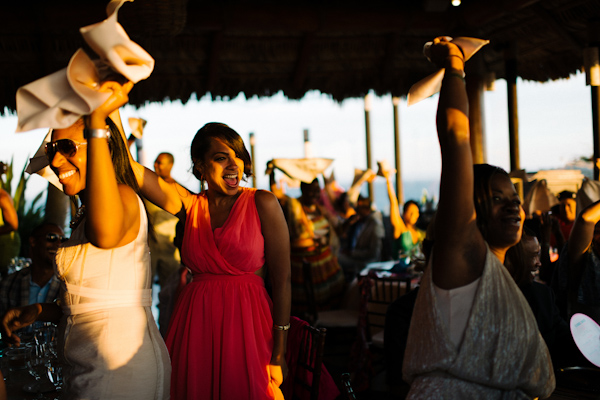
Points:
x=555 y=127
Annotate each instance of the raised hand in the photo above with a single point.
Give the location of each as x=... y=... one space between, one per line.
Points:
x=17 y=318
x=119 y=97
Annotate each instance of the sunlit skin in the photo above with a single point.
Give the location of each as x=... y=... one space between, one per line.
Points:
x=223 y=170
x=505 y=223
x=568 y=210
x=71 y=171
x=163 y=165
x=411 y=216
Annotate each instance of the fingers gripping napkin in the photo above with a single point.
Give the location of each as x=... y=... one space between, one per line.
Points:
x=137 y=126
x=60 y=99
x=432 y=84
x=303 y=169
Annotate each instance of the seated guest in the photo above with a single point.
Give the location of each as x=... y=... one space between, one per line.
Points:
x=363 y=235
x=36 y=283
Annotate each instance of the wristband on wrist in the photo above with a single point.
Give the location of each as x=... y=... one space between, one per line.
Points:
x=96 y=133
x=281 y=327
x=456 y=75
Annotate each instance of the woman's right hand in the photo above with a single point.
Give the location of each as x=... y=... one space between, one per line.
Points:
x=441 y=48
x=17 y=318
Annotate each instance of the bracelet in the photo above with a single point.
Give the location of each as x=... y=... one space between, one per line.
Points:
x=96 y=133
x=455 y=55
x=282 y=327
x=457 y=75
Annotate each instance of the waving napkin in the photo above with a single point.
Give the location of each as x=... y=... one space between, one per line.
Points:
x=137 y=126
x=58 y=100
x=432 y=84
x=303 y=169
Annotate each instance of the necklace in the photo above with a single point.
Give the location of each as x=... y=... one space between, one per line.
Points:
x=78 y=217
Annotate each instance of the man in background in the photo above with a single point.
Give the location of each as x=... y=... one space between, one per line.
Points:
x=36 y=283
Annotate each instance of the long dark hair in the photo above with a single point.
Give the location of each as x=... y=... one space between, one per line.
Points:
x=203 y=140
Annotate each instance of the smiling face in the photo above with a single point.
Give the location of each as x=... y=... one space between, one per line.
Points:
x=163 y=165
x=411 y=214
x=506 y=216
x=71 y=170
x=44 y=250
x=222 y=169
x=532 y=250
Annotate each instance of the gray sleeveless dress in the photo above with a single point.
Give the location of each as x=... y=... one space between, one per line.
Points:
x=502 y=355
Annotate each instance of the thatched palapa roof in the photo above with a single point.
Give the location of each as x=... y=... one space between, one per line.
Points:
x=342 y=48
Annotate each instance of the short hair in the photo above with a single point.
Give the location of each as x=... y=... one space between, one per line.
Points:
x=203 y=140
x=169 y=157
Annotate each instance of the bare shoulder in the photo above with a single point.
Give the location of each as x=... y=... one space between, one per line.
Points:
x=266 y=203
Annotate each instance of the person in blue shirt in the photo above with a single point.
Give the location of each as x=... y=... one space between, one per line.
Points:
x=36 y=283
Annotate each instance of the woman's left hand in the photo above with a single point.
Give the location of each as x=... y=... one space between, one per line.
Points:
x=284 y=369
x=118 y=98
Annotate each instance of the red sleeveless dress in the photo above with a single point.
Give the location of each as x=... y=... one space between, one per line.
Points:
x=220 y=337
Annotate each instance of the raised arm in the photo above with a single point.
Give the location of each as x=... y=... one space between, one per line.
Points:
x=581 y=239
x=457 y=237
x=112 y=209
x=9 y=214
x=395 y=217
x=277 y=261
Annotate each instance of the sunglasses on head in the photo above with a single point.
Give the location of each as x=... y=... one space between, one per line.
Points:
x=53 y=237
x=66 y=147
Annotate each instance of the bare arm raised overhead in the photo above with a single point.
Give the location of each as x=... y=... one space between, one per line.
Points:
x=457 y=237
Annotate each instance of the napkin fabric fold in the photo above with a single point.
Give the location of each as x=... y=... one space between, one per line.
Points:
x=432 y=84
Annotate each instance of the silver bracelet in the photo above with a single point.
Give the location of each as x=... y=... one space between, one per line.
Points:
x=97 y=133
x=282 y=327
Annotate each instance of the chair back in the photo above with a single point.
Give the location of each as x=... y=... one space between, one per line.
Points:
x=383 y=291
x=347 y=387
x=309 y=363
x=312 y=313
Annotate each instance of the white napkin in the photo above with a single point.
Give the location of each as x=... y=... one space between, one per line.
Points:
x=58 y=100
x=303 y=169
x=432 y=84
x=39 y=163
x=137 y=126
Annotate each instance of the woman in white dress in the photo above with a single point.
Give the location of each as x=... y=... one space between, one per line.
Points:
x=472 y=334
x=111 y=346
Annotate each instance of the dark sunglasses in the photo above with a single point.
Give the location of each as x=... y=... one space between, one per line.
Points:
x=66 y=147
x=53 y=237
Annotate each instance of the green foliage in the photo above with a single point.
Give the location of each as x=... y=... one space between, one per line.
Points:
x=29 y=217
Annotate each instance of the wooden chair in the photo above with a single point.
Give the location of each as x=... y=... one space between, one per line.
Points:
x=345 y=317
x=309 y=362
x=383 y=291
x=347 y=390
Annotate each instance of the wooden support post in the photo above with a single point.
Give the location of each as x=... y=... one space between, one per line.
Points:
x=513 y=112
x=399 y=189
x=252 y=142
x=368 y=144
x=475 y=81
